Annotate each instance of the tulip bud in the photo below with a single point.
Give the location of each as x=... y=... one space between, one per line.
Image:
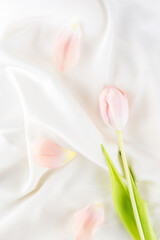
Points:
x=87 y=221
x=49 y=154
x=114 y=107
x=66 y=48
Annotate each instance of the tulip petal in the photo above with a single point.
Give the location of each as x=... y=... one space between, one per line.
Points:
x=49 y=154
x=87 y=221
x=114 y=107
x=69 y=154
x=118 y=108
x=67 y=47
x=104 y=105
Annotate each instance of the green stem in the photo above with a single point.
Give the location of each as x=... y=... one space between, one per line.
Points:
x=129 y=184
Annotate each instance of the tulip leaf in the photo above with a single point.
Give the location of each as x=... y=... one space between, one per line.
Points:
x=123 y=204
x=121 y=198
x=143 y=213
x=121 y=163
x=141 y=206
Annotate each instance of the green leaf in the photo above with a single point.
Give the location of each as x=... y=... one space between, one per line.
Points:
x=121 y=163
x=141 y=206
x=123 y=204
x=121 y=198
x=143 y=213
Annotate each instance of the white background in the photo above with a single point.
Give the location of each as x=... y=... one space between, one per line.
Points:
x=120 y=46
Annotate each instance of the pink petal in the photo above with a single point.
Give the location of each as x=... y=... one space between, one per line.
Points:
x=103 y=105
x=118 y=108
x=49 y=154
x=114 y=107
x=87 y=221
x=66 y=48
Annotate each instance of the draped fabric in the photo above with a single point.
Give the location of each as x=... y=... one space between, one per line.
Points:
x=120 y=46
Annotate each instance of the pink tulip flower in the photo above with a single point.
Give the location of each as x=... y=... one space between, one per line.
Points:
x=87 y=221
x=114 y=107
x=49 y=154
x=66 y=48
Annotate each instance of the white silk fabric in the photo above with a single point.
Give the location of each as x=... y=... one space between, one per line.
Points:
x=120 y=46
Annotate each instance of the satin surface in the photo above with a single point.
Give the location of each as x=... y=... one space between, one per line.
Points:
x=120 y=46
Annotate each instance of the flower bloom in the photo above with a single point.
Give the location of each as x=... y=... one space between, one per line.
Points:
x=87 y=221
x=114 y=107
x=49 y=154
x=67 y=47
